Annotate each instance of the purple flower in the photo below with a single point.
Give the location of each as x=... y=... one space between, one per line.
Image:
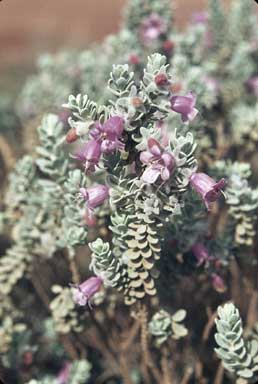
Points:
x=200 y=17
x=160 y=162
x=201 y=253
x=64 y=374
x=82 y=293
x=207 y=187
x=95 y=195
x=218 y=283
x=89 y=154
x=252 y=85
x=185 y=106
x=108 y=134
x=151 y=28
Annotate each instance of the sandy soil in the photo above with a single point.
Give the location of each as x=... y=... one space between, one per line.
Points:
x=29 y=27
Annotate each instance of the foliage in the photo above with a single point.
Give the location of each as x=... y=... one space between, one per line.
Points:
x=238 y=355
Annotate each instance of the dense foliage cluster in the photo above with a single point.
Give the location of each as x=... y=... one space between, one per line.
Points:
x=133 y=215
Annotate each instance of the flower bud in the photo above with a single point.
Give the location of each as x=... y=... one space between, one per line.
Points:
x=137 y=102
x=161 y=80
x=71 y=136
x=134 y=59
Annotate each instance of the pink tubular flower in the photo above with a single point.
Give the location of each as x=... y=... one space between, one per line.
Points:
x=63 y=375
x=185 y=106
x=89 y=154
x=207 y=187
x=108 y=134
x=252 y=85
x=95 y=195
x=218 y=283
x=200 y=17
x=84 y=292
x=151 y=28
x=160 y=163
x=201 y=253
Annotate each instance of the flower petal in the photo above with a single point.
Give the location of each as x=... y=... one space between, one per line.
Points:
x=146 y=157
x=150 y=175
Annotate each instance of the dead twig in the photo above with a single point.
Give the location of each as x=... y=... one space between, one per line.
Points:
x=209 y=325
x=165 y=366
x=74 y=270
x=147 y=358
x=219 y=375
x=65 y=339
x=128 y=340
x=252 y=310
x=7 y=153
x=187 y=376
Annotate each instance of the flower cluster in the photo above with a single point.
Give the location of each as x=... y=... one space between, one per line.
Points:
x=159 y=162
x=104 y=139
x=154 y=163
x=151 y=28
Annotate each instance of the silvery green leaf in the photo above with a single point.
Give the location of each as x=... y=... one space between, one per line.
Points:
x=246 y=373
x=179 y=330
x=222 y=341
x=179 y=315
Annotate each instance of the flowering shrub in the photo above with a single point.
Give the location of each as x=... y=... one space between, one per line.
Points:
x=131 y=220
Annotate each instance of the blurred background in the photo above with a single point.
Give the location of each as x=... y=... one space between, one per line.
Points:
x=31 y=27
